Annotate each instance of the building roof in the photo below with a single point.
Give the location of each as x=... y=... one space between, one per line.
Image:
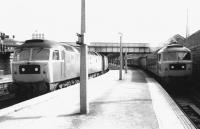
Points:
x=11 y=43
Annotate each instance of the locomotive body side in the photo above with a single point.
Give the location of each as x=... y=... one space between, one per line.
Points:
x=152 y=63
x=95 y=62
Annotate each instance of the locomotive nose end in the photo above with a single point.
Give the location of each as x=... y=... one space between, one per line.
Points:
x=32 y=72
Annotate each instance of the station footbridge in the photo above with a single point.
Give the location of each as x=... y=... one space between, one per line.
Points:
x=112 y=50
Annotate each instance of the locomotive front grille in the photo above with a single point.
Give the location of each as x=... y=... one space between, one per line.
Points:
x=177 y=66
x=29 y=69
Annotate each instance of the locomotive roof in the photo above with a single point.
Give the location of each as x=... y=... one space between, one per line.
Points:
x=41 y=43
x=49 y=44
x=173 y=47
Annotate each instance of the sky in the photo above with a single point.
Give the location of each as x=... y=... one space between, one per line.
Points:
x=145 y=21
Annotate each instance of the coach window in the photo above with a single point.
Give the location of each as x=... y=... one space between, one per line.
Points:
x=56 y=55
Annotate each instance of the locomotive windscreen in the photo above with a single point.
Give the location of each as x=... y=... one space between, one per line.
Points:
x=36 y=54
x=22 y=54
x=176 y=56
x=40 y=54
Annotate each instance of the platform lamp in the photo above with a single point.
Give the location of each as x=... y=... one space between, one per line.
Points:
x=120 y=70
x=126 y=61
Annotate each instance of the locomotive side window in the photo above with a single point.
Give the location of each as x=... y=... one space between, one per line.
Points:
x=56 y=55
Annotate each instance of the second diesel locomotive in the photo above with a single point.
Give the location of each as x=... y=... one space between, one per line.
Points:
x=41 y=65
x=170 y=62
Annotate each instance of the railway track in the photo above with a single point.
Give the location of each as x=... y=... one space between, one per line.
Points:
x=188 y=101
x=190 y=109
x=6 y=99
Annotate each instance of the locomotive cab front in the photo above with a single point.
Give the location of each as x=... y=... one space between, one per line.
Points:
x=33 y=62
x=174 y=62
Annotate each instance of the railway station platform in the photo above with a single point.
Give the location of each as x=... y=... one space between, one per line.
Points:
x=135 y=102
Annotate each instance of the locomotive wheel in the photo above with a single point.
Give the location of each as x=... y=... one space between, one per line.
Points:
x=69 y=83
x=72 y=82
x=60 y=86
x=77 y=81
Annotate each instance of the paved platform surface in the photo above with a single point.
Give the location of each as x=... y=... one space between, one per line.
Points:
x=136 y=102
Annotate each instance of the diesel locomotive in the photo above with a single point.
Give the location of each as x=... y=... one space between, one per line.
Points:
x=40 y=66
x=170 y=62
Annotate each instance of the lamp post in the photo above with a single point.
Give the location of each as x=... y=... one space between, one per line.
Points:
x=126 y=61
x=120 y=70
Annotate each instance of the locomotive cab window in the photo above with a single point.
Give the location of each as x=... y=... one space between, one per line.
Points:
x=40 y=54
x=186 y=56
x=56 y=55
x=176 y=56
x=22 y=54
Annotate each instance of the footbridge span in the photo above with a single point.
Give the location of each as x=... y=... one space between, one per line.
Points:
x=112 y=50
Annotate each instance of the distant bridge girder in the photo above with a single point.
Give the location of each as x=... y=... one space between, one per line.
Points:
x=115 y=48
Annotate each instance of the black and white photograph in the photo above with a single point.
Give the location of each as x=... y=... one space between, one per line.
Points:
x=100 y=64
